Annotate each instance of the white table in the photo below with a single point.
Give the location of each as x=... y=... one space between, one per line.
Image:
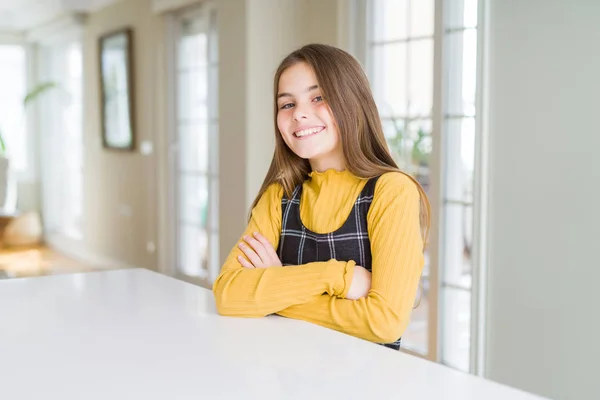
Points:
x=136 y=334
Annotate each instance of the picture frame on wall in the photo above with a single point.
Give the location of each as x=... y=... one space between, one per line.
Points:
x=116 y=88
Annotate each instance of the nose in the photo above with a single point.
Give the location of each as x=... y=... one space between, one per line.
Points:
x=300 y=112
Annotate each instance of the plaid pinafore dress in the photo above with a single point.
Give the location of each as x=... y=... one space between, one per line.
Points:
x=298 y=245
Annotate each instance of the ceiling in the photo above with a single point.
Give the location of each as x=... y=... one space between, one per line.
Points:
x=21 y=15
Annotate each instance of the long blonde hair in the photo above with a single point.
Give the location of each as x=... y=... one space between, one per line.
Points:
x=345 y=89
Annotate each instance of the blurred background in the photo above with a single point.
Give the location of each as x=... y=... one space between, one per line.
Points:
x=136 y=133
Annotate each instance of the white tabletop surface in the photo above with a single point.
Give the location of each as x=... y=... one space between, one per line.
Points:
x=136 y=334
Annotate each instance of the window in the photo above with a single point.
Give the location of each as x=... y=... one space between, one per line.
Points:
x=62 y=134
x=13 y=82
x=400 y=66
x=196 y=165
x=400 y=55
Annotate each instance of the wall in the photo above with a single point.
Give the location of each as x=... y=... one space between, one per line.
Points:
x=233 y=62
x=543 y=325
x=120 y=187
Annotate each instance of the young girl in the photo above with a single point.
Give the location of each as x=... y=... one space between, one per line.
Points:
x=336 y=233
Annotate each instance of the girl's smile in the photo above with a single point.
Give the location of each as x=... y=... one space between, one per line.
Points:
x=307 y=132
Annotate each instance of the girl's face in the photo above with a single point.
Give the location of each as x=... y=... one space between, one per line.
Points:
x=305 y=120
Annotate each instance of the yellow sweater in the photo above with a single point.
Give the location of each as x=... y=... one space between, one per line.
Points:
x=315 y=292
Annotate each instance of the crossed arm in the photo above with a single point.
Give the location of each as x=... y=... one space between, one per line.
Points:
x=335 y=294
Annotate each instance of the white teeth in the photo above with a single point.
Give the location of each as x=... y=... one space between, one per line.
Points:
x=305 y=132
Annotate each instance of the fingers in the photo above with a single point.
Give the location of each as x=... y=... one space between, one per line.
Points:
x=250 y=254
x=259 y=251
x=267 y=245
x=245 y=263
x=258 y=248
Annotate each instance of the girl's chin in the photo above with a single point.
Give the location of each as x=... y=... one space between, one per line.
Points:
x=308 y=155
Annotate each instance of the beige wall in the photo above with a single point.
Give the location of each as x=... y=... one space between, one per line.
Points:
x=232 y=121
x=120 y=210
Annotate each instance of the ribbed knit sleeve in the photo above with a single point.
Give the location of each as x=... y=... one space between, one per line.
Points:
x=397 y=253
x=257 y=292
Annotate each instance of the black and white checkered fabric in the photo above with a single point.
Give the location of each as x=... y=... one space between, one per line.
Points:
x=299 y=245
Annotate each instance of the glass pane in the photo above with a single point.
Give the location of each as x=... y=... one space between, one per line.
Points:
x=470 y=13
x=419 y=134
x=456 y=328
x=390 y=78
x=458 y=245
x=393 y=130
x=193 y=200
x=389 y=19
x=411 y=146
x=192 y=100
x=193 y=147
x=460 y=158
x=461 y=80
x=192 y=254
x=192 y=50
x=72 y=141
x=12 y=92
x=416 y=335
x=460 y=14
x=420 y=77
x=421 y=17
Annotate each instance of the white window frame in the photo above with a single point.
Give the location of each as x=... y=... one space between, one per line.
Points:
x=357 y=32
x=173 y=19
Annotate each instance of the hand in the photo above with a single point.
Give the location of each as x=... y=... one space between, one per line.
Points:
x=258 y=251
x=361 y=283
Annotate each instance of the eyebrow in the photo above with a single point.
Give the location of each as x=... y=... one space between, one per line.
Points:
x=309 y=89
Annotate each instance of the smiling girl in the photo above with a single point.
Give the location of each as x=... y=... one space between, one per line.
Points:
x=336 y=233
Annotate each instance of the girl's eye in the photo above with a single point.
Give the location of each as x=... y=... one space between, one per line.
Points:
x=286 y=106
x=318 y=98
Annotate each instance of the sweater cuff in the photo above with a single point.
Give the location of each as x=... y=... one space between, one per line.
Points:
x=343 y=280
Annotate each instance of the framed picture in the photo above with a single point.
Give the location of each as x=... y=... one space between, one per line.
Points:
x=116 y=88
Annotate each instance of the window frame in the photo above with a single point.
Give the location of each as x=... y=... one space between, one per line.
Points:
x=173 y=20
x=358 y=44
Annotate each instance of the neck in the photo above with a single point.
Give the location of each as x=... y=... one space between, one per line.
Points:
x=332 y=162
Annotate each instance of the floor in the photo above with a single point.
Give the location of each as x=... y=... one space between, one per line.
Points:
x=37 y=261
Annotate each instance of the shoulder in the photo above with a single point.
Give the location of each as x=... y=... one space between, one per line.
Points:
x=268 y=207
x=397 y=199
x=274 y=190
x=394 y=185
x=271 y=196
